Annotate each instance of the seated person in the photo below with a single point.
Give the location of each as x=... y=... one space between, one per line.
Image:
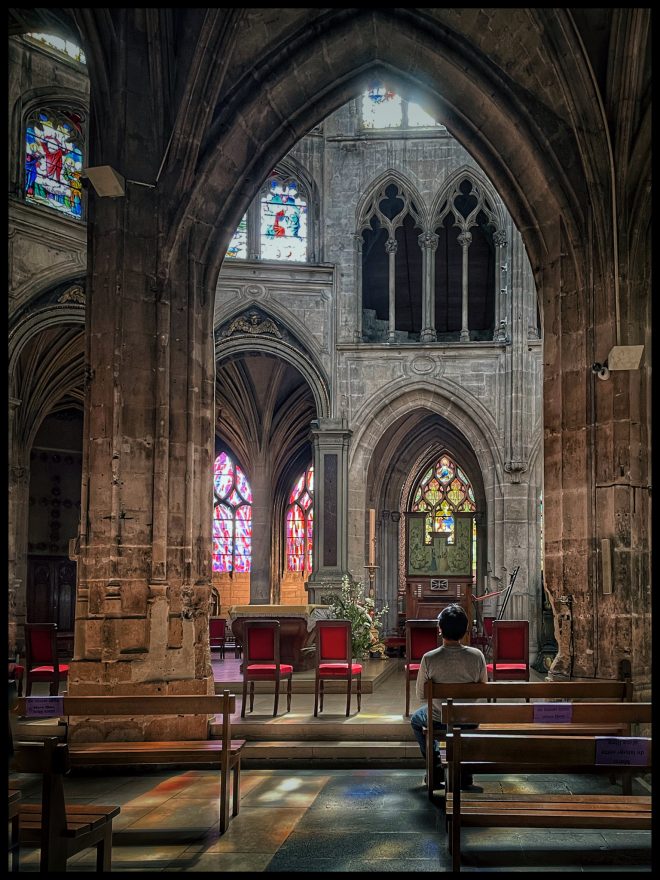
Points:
x=451 y=662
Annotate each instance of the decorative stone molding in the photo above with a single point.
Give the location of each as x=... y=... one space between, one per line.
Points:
x=515 y=468
x=252 y=323
x=73 y=294
x=391 y=245
x=499 y=239
x=465 y=239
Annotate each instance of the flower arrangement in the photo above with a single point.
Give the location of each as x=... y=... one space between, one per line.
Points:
x=366 y=623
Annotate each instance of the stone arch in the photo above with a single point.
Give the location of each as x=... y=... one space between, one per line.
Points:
x=27 y=327
x=476 y=177
x=289 y=350
x=536 y=181
x=365 y=205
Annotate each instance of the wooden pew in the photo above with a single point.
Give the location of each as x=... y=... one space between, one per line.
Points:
x=602 y=691
x=223 y=753
x=522 y=754
x=13 y=816
x=61 y=830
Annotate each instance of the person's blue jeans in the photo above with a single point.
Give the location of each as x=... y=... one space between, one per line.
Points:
x=418 y=721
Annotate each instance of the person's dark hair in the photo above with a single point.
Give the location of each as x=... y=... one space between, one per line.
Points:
x=453 y=622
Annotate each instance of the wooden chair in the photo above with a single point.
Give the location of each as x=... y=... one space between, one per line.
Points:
x=218 y=634
x=334 y=661
x=421 y=637
x=41 y=659
x=510 y=651
x=262 y=661
x=60 y=830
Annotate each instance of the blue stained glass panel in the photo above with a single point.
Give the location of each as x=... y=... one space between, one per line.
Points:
x=283 y=222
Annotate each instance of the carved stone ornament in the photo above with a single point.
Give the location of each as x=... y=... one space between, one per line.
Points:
x=74 y=295
x=253 y=324
x=428 y=240
x=499 y=239
x=465 y=239
x=391 y=245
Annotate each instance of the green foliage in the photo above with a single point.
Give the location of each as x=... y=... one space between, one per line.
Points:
x=366 y=623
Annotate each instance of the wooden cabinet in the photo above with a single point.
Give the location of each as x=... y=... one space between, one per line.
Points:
x=426 y=597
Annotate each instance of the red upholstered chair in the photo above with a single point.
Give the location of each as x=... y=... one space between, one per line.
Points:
x=218 y=634
x=334 y=661
x=261 y=660
x=41 y=659
x=421 y=636
x=510 y=651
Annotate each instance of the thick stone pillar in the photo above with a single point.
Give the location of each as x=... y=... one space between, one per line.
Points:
x=330 y=439
x=144 y=563
x=262 y=517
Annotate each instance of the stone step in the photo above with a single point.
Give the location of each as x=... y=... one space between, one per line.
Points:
x=271 y=752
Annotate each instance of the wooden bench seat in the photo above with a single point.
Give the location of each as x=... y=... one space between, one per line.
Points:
x=616 y=692
x=489 y=753
x=223 y=753
x=59 y=829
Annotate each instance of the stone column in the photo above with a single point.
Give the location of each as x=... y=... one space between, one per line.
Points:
x=262 y=515
x=465 y=239
x=144 y=564
x=330 y=438
x=428 y=242
x=499 y=319
x=390 y=248
x=359 y=243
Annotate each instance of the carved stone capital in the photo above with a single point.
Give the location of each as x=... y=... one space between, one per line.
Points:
x=428 y=240
x=499 y=239
x=359 y=243
x=465 y=239
x=391 y=245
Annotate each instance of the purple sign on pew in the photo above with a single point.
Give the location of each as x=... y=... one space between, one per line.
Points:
x=630 y=750
x=549 y=713
x=44 y=707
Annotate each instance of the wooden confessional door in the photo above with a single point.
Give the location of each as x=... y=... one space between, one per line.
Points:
x=51 y=593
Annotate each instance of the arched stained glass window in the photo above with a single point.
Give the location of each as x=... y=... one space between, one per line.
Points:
x=54 y=160
x=443 y=491
x=300 y=523
x=232 y=516
x=283 y=221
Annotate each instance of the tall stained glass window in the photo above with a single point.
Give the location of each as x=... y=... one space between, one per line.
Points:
x=238 y=244
x=283 y=221
x=300 y=524
x=232 y=516
x=443 y=491
x=54 y=160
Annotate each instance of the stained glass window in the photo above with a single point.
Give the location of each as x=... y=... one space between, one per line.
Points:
x=65 y=47
x=238 y=244
x=53 y=161
x=382 y=108
x=232 y=516
x=283 y=221
x=300 y=523
x=443 y=491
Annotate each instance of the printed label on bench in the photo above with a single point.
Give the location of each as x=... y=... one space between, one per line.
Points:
x=44 y=707
x=628 y=750
x=553 y=713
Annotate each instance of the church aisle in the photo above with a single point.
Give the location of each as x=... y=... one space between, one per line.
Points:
x=322 y=821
